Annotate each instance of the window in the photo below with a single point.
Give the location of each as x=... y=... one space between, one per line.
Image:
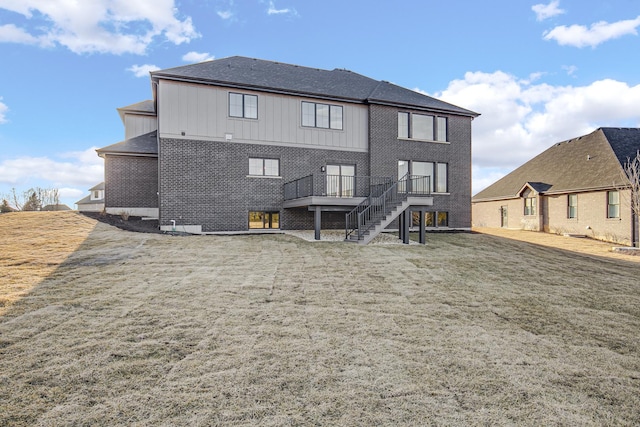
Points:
x=530 y=206
x=441 y=178
x=443 y=219
x=243 y=106
x=613 y=204
x=323 y=116
x=96 y=194
x=437 y=174
x=341 y=180
x=260 y=219
x=572 y=206
x=431 y=219
x=264 y=167
x=422 y=126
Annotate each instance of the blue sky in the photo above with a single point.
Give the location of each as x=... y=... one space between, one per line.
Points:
x=538 y=72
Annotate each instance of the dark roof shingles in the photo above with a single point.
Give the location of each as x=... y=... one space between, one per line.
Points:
x=587 y=162
x=143 y=144
x=275 y=76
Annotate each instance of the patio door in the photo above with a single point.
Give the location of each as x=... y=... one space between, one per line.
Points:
x=341 y=180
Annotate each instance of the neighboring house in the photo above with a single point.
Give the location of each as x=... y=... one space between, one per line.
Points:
x=576 y=187
x=94 y=202
x=239 y=144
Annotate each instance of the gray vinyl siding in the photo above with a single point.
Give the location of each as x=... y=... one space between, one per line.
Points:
x=201 y=112
x=136 y=125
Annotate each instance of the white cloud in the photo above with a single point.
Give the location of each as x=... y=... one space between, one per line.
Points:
x=142 y=70
x=546 y=11
x=103 y=26
x=570 y=69
x=273 y=11
x=520 y=119
x=600 y=32
x=81 y=168
x=3 y=111
x=197 y=57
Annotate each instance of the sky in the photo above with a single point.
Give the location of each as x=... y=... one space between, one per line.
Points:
x=537 y=72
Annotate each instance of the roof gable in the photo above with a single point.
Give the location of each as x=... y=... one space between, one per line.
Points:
x=588 y=162
x=272 y=76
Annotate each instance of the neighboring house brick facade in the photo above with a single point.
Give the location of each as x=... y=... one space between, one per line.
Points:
x=574 y=187
x=233 y=137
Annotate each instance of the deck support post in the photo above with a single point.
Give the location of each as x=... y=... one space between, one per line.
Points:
x=317 y=222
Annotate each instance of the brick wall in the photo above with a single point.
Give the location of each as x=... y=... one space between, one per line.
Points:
x=386 y=149
x=131 y=182
x=206 y=183
x=552 y=210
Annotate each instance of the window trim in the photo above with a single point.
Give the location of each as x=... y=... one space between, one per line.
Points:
x=244 y=105
x=330 y=114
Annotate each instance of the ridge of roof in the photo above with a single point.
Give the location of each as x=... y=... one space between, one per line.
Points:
x=279 y=77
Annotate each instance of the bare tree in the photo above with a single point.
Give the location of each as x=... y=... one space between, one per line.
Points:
x=631 y=175
x=33 y=199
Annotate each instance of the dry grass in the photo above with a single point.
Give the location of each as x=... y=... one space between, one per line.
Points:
x=471 y=329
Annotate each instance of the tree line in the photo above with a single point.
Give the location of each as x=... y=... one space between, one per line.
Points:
x=33 y=199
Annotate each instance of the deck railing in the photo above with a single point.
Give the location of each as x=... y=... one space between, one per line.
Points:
x=343 y=186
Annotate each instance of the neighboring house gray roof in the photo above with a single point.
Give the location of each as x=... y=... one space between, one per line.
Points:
x=97 y=187
x=589 y=162
x=146 y=145
x=339 y=84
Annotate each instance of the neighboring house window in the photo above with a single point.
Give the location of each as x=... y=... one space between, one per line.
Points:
x=530 y=206
x=264 y=167
x=422 y=126
x=96 y=194
x=322 y=115
x=437 y=174
x=613 y=204
x=243 y=106
x=572 y=206
x=261 y=219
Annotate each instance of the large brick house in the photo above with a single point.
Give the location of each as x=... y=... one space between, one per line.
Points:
x=241 y=144
x=574 y=187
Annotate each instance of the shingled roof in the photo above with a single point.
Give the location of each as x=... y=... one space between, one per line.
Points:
x=142 y=145
x=338 y=84
x=589 y=162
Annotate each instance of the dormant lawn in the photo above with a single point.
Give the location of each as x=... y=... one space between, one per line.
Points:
x=100 y=326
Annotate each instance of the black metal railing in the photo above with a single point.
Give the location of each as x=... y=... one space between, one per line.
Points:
x=343 y=186
x=376 y=207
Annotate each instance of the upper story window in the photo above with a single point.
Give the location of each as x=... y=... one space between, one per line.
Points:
x=572 y=206
x=264 y=167
x=613 y=204
x=422 y=126
x=243 y=105
x=322 y=115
